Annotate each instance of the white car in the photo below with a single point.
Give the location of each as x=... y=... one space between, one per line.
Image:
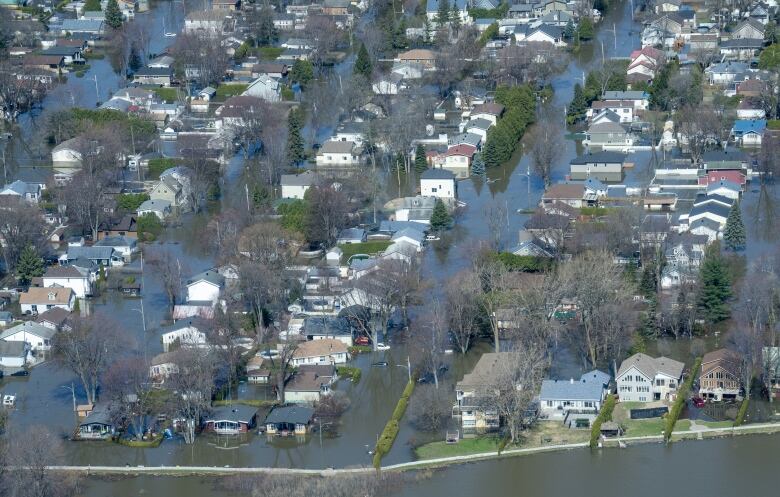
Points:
x=381 y=346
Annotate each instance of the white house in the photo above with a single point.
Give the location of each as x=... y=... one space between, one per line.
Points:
x=37 y=336
x=640 y=99
x=78 y=279
x=724 y=188
x=205 y=286
x=185 y=333
x=338 y=153
x=558 y=397
x=13 y=354
x=123 y=246
x=159 y=207
x=438 y=183
x=388 y=85
x=264 y=87
x=295 y=185
x=325 y=351
x=31 y=192
x=642 y=378
x=432 y=10
x=411 y=236
x=36 y=299
x=68 y=153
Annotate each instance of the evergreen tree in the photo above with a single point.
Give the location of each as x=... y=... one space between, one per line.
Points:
x=568 y=31
x=114 y=16
x=400 y=41
x=92 y=6
x=490 y=151
x=585 y=30
x=578 y=106
x=134 y=60
x=295 y=145
x=715 y=289
x=443 y=13
x=477 y=165
x=648 y=285
x=420 y=161
x=440 y=217
x=734 y=232
x=363 y=65
x=455 y=17
x=30 y=265
x=265 y=32
x=428 y=30
x=302 y=72
x=77 y=307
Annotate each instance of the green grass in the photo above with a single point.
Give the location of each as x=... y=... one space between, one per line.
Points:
x=644 y=427
x=714 y=424
x=350 y=372
x=94 y=55
x=155 y=442
x=158 y=165
x=370 y=248
x=244 y=402
x=169 y=95
x=228 y=90
x=773 y=124
x=463 y=447
x=270 y=53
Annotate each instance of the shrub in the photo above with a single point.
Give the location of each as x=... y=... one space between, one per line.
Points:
x=742 y=412
x=158 y=165
x=679 y=402
x=149 y=226
x=385 y=442
x=350 y=372
x=359 y=349
x=604 y=415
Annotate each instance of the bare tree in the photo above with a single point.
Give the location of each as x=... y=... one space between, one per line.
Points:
x=20 y=226
x=169 y=269
x=263 y=289
x=700 y=129
x=462 y=304
x=20 y=89
x=496 y=219
x=87 y=347
x=193 y=386
x=282 y=364
x=200 y=57
x=127 y=387
x=326 y=213
x=547 y=144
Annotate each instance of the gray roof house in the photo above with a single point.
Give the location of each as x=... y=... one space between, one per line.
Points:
x=37 y=335
x=98 y=255
x=351 y=235
x=642 y=378
x=558 y=397
x=28 y=191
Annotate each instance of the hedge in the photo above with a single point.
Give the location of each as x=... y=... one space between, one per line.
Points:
x=350 y=372
x=605 y=414
x=244 y=402
x=742 y=412
x=679 y=402
x=385 y=442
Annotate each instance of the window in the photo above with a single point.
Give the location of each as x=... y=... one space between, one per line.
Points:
x=660 y=382
x=642 y=399
x=549 y=403
x=433 y=190
x=587 y=404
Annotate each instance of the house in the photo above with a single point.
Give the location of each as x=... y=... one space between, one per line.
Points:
x=69 y=54
x=284 y=22
x=472 y=391
x=13 y=354
x=641 y=99
x=52 y=63
x=205 y=286
x=351 y=235
x=531 y=246
x=725 y=160
x=706 y=227
x=609 y=136
x=68 y=153
x=438 y=183
x=724 y=73
x=257 y=372
x=743 y=49
x=710 y=210
x=55 y=318
x=97 y=425
x=545 y=33
x=210 y=23
x=37 y=299
x=123 y=246
x=684 y=254
x=584 y=396
x=642 y=378
x=645 y=64
x=604 y=166
x=421 y=56
x=748 y=133
x=159 y=207
x=124 y=226
x=78 y=279
x=750 y=108
x=264 y=87
x=100 y=256
x=82 y=26
x=226 y=5
x=338 y=153
x=185 y=333
x=571 y=194
x=295 y=185
x=325 y=351
x=6 y=318
x=724 y=188
x=31 y=192
x=389 y=84
x=310 y=384
x=478 y=127
x=37 y=336
x=720 y=377
x=548 y=227
x=624 y=109
x=462 y=7
x=170 y=189
x=457 y=159
x=654 y=230
x=489 y=111
x=231 y=420
x=158 y=76
x=750 y=29
x=162 y=367
x=335 y=7
x=289 y=420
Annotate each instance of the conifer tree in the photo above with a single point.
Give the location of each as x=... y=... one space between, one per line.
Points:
x=477 y=165
x=420 y=161
x=295 y=145
x=363 y=65
x=92 y=6
x=440 y=217
x=455 y=20
x=443 y=13
x=734 y=232
x=114 y=16
x=30 y=265
x=715 y=289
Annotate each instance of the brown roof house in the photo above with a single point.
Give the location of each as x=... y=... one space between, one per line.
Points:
x=310 y=383
x=720 y=375
x=37 y=300
x=474 y=388
x=572 y=194
x=422 y=56
x=324 y=351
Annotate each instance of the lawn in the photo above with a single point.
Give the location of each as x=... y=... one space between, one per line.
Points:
x=715 y=424
x=372 y=247
x=463 y=447
x=269 y=53
x=644 y=427
x=227 y=90
x=169 y=95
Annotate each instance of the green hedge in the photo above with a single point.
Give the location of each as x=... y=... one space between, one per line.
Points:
x=679 y=402
x=385 y=442
x=604 y=415
x=244 y=402
x=350 y=372
x=524 y=263
x=742 y=412
x=359 y=349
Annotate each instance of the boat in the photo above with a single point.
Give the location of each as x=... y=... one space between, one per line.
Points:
x=380 y=364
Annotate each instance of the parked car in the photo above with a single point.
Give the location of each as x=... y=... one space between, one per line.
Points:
x=362 y=340
x=698 y=402
x=381 y=346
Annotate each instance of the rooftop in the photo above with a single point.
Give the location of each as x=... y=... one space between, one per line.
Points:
x=650 y=366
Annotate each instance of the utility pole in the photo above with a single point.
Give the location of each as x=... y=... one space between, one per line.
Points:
x=97 y=91
x=246 y=188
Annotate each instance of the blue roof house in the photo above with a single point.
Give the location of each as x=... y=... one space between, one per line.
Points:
x=560 y=399
x=748 y=132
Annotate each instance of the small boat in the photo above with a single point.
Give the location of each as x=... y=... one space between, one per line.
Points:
x=9 y=400
x=380 y=364
x=170 y=35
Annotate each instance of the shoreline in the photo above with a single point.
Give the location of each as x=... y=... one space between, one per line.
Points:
x=184 y=471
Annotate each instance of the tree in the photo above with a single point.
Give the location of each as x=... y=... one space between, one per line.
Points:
x=134 y=62
x=477 y=165
x=440 y=217
x=293 y=216
x=92 y=6
x=127 y=388
x=585 y=31
x=30 y=265
x=715 y=286
x=113 y=15
x=20 y=227
x=302 y=72
x=462 y=306
x=295 y=145
x=170 y=272
x=443 y=13
x=546 y=146
x=149 y=226
x=326 y=213
x=734 y=232
x=455 y=20
x=263 y=28
x=770 y=57
x=700 y=129
x=420 y=161
x=193 y=385
x=578 y=106
x=363 y=64
x=569 y=31
x=86 y=347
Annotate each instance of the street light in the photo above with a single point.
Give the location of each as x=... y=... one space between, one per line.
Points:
x=408 y=367
x=72 y=389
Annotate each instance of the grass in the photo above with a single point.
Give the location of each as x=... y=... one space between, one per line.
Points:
x=228 y=90
x=154 y=442
x=773 y=124
x=386 y=440
x=244 y=402
x=360 y=349
x=463 y=447
x=350 y=372
x=158 y=165
x=169 y=95
x=94 y=55
x=372 y=247
x=270 y=53
x=714 y=424
x=644 y=427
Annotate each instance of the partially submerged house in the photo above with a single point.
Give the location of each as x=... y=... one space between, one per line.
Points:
x=290 y=420
x=97 y=425
x=231 y=420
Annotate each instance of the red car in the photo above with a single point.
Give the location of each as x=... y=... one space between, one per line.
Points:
x=698 y=402
x=362 y=340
